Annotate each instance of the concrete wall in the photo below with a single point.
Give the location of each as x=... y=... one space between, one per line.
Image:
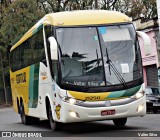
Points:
x=153 y=57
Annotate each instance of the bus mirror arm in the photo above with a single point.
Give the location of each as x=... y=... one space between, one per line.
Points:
x=147 y=42
x=53 y=48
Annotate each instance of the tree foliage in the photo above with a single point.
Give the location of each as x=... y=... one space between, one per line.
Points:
x=17 y=19
x=132 y=8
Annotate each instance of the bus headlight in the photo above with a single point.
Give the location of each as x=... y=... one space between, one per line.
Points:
x=70 y=100
x=138 y=95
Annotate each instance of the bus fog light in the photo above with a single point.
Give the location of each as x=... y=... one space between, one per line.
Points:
x=74 y=114
x=140 y=108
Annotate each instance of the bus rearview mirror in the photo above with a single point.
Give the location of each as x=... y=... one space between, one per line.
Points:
x=146 y=42
x=53 y=48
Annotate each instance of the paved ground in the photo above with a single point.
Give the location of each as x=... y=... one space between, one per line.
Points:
x=10 y=121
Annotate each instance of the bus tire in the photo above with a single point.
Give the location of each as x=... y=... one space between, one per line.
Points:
x=55 y=126
x=120 y=122
x=24 y=118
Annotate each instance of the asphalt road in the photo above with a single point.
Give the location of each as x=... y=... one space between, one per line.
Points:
x=10 y=121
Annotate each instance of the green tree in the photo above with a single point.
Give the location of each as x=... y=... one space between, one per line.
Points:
x=18 y=18
x=150 y=9
x=51 y=6
x=132 y=8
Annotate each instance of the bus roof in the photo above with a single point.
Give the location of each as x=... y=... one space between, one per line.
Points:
x=75 y=18
x=86 y=17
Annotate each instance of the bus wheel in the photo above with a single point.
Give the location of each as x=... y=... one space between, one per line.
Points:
x=120 y=122
x=55 y=126
x=24 y=118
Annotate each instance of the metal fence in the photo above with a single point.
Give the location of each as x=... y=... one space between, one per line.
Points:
x=5 y=99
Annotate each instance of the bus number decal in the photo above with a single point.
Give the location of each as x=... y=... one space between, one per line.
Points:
x=21 y=78
x=92 y=98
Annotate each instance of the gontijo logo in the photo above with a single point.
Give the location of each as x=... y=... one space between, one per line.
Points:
x=44 y=75
x=21 y=78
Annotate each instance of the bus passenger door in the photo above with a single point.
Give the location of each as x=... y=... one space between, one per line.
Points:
x=55 y=88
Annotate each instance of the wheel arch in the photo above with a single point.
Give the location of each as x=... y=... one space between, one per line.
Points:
x=18 y=105
x=47 y=103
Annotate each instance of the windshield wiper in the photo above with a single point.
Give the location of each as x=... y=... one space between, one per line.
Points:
x=108 y=61
x=98 y=61
x=115 y=71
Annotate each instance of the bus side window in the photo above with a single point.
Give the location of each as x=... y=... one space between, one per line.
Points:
x=16 y=59
x=26 y=56
x=37 y=52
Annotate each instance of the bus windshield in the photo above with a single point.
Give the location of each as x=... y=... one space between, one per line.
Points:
x=87 y=51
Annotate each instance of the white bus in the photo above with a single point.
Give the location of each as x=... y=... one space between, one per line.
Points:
x=79 y=66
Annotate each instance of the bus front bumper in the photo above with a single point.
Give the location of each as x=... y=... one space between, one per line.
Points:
x=73 y=113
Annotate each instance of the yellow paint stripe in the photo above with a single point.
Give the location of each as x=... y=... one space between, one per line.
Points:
x=89 y=96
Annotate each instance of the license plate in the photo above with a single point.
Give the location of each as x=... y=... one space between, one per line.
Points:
x=158 y=104
x=108 y=112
